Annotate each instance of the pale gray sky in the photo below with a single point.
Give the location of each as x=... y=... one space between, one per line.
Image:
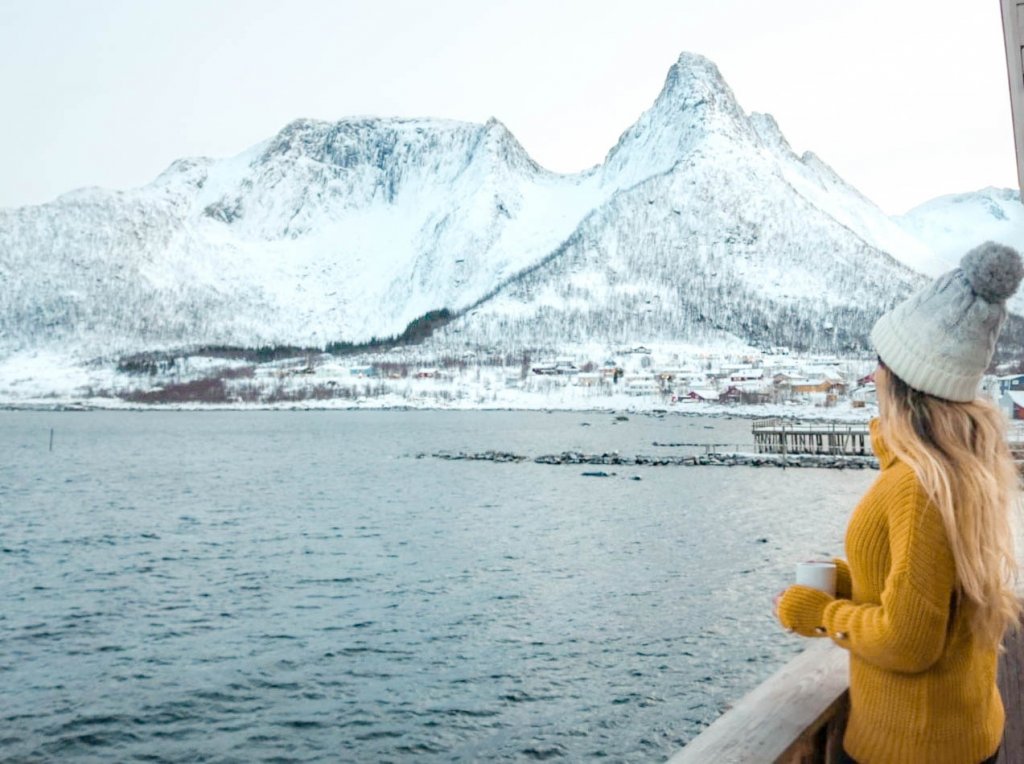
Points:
x=906 y=99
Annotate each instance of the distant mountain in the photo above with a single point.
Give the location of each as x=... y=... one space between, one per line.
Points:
x=701 y=224
x=951 y=225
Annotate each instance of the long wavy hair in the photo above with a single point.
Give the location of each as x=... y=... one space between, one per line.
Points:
x=959 y=453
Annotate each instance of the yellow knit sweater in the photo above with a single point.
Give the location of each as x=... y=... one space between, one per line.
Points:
x=922 y=689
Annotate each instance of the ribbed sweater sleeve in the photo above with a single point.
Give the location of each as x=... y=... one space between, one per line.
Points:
x=906 y=630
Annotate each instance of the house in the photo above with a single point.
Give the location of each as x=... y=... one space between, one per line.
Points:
x=805 y=386
x=863 y=395
x=560 y=367
x=760 y=388
x=611 y=371
x=731 y=394
x=1010 y=382
x=702 y=395
x=642 y=384
x=746 y=375
x=674 y=375
x=837 y=384
x=588 y=379
x=1012 y=403
x=817 y=385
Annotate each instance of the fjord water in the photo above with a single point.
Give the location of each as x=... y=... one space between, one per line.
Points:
x=303 y=586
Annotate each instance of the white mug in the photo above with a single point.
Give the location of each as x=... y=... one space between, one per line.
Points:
x=817 y=575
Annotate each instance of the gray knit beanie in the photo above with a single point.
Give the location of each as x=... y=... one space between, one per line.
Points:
x=941 y=339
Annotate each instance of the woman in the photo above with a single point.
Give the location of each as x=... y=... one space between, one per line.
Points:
x=927 y=593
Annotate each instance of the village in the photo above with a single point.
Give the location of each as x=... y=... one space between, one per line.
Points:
x=772 y=382
x=711 y=378
x=668 y=376
x=673 y=379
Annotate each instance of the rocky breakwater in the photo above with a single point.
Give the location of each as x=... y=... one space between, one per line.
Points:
x=482 y=456
x=737 y=459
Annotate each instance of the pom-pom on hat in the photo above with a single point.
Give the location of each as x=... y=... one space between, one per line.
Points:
x=941 y=339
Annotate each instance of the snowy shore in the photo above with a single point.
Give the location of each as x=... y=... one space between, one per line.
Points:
x=625 y=404
x=42 y=381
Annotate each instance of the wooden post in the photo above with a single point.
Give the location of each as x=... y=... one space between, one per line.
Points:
x=1013 y=35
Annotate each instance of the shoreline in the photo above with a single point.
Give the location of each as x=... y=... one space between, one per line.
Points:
x=739 y=411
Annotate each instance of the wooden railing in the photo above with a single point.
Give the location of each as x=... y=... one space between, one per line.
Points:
x=778 y=436
x=798 y=714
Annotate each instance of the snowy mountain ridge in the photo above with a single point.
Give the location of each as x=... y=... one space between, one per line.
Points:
x=702 y=224
x=952 y=224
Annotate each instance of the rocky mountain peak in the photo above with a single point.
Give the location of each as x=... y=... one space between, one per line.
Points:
x=694 y=104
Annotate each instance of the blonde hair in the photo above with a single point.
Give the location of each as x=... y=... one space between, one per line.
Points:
x=959 y=453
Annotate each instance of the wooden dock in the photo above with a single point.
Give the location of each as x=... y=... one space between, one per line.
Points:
x=778 y=436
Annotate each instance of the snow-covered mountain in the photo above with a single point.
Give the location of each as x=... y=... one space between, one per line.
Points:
x=719 y=229
x=951 y=225
x=325 y=232
x=701 y=223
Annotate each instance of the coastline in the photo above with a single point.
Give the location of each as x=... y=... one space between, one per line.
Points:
x=616 y=406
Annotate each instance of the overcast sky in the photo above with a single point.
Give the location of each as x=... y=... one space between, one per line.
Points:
x=906 y=99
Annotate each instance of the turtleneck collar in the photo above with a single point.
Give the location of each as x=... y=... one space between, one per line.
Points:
x=885 y=455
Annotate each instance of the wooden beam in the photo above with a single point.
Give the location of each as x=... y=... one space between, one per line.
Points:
x=1013 y=35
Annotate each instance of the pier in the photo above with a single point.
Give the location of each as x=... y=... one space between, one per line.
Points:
x=779 y=436
x=789 y=438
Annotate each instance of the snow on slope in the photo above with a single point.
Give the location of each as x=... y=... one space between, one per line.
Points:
x=820 y=185
x=951 y=225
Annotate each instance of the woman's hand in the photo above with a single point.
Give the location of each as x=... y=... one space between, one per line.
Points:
x=775 y=604
x=800 y=609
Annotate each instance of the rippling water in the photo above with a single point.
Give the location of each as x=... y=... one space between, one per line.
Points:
x=292 y=586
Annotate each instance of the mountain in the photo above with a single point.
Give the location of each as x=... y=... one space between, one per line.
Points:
x=701 y=225
x=718 y=230
x=328 y=231
x=951 y=225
